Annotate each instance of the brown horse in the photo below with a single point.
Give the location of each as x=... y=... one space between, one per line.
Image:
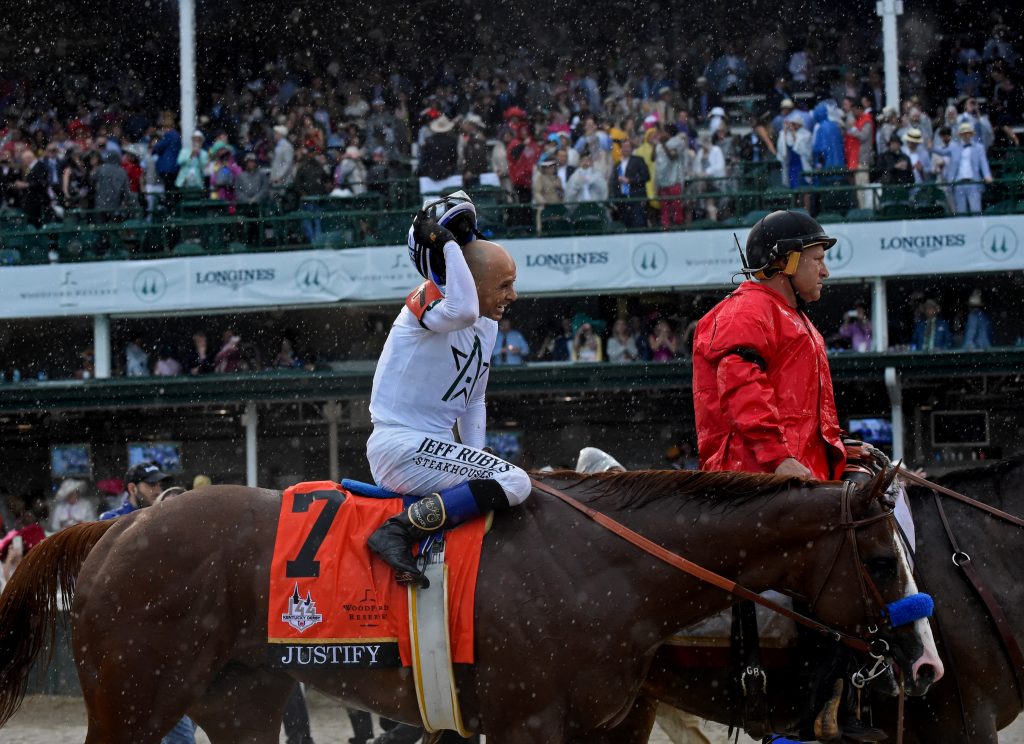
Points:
x=170 y=603
x=971 y=705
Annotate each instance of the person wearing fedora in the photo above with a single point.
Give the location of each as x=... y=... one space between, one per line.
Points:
x=977 y=325
x=439 y=157
x=968 y=167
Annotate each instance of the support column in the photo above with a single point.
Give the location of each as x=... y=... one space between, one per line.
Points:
x=187 y=43
x=101 y=346
x=888 y=10
x=250 y=419
x=892 y=385
x=332 y=415
x=879 y=315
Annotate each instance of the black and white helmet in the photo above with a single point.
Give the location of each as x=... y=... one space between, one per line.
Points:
x=455 y=212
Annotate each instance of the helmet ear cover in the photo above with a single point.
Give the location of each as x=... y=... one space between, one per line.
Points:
x=787 y=250
x=792 y=261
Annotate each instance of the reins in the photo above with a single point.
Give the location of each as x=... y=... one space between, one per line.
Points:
x=935 y=487
x=710 y=577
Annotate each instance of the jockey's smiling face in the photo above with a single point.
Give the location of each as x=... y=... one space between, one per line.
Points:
x=494 y=272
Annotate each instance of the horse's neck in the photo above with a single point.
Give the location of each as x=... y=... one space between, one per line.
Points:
x=765 y=543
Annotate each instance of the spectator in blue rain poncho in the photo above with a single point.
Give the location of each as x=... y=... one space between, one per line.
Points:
x=826 y=143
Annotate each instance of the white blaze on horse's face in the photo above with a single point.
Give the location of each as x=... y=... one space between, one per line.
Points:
x=929 y=660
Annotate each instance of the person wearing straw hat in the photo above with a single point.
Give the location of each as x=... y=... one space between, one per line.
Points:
x=968 y=167
x=920 y=161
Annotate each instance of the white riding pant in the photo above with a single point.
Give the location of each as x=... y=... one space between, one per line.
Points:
x=411 y=462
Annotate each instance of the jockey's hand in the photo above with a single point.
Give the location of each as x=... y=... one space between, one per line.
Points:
x=462 y=228
x=429 y=233
x=793 y=468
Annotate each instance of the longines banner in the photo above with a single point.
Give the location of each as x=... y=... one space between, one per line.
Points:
x=607 y=263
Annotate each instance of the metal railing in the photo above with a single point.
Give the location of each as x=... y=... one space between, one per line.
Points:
x=184 y=225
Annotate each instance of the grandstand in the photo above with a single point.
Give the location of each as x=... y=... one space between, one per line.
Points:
x=319 y=260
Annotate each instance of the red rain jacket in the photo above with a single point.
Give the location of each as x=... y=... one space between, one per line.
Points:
x=762 y=389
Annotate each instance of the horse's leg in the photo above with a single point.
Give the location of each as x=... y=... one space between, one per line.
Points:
x=244 y=706
x=635 y=728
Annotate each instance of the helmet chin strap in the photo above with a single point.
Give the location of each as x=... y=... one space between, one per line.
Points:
x=801 y=304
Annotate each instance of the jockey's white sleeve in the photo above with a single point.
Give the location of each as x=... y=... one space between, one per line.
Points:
x=460 y=306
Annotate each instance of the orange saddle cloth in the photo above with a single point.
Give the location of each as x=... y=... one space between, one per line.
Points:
x=333 y=603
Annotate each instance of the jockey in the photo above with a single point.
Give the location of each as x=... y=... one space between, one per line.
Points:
x=432 y=375
x=762 y=390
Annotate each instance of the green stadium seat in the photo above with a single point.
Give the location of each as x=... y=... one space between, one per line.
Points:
x=331 y=239
x=704 y=224
x=12 y=219
x=9 y=256
x=590 y=218
x=830 y=217
x=392 y=228
x=752 y=217
x=236 y=246
x=554 y=220
x=860 y=215
x=187 y=249
x=896 y=211
x=1007 y=206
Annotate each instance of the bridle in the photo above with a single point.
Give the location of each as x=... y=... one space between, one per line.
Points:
x=874 y=644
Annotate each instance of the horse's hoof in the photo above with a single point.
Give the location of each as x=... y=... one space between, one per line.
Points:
x=826 y=725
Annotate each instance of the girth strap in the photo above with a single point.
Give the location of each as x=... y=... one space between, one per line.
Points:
x=688 y=567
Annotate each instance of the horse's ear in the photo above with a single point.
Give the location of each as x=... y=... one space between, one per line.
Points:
x=878 y=487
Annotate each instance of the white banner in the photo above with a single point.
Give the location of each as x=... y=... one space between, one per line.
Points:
x=603 y=263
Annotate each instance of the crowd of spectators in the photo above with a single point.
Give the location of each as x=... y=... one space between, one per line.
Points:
x=641 y=130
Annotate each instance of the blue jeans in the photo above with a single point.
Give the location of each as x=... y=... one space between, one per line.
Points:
x=184 y=732
x=311 y=228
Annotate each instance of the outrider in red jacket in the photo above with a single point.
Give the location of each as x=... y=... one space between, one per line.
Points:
x=762 y=389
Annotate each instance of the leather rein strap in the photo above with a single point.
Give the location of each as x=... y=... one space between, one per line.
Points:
x=1006 y=517
x=686 y=566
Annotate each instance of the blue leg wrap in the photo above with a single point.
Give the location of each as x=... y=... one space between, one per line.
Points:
x=459 y=504
x=909 y=609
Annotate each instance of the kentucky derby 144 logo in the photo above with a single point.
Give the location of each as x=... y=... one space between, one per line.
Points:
x=302 y=614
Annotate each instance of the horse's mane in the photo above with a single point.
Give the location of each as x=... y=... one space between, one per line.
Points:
x=982 y=471
x=618 y=490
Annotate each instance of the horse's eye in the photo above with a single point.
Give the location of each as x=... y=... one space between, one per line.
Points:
x=882 y=566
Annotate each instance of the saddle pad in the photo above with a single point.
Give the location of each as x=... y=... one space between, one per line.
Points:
x=334 y=604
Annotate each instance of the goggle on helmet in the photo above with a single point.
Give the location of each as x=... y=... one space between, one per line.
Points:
x=450 y=211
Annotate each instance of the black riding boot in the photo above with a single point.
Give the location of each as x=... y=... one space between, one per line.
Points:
x=393 y=541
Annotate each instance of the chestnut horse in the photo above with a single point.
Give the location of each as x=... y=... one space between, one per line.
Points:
x=170 y=603
x=981 y=693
